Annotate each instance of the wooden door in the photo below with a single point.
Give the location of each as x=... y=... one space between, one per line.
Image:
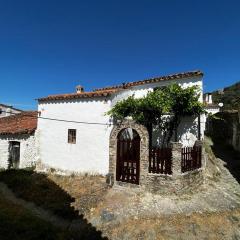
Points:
x=128 y=156
x=14 y=154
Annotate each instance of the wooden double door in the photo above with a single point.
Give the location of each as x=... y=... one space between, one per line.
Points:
x=128 y=156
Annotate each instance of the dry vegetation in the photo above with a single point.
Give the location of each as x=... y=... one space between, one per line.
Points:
x=88 y=191
x=210 y=213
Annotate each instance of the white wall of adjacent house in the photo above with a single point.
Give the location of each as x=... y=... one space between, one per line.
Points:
x=7 y=111
x=188 y=129
x=28 y=150
x=212 y=109
x=91 y=151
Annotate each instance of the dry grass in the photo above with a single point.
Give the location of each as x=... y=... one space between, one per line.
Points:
x=209 y=226
x=87 y=190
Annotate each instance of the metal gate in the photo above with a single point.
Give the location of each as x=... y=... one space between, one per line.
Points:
x=128 y=156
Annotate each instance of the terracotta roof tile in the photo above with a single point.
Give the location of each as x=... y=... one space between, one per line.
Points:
x=154 y=80
x=104 y=92
x=211 y=105
x=25 y=122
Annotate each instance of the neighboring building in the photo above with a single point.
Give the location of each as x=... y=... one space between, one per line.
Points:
x=211 y=107
x=17 y=140
x=6 y=110
x=226 y=128
x=81 y=143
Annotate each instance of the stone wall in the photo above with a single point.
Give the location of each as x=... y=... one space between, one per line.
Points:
x=177 y=183
x=225 y=128
x=144 y=152
x=28 y=150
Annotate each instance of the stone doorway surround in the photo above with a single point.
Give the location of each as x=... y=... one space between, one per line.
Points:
x=144 y=151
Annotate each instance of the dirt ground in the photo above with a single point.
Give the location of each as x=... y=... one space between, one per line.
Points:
x=212 y=212
x=84 y=207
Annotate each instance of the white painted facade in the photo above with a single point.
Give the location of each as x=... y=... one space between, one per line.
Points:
x=6 y=111
x=28 y=150
x=91 y=152
x=212 y=109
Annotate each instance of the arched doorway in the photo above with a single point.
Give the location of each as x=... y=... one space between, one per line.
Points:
x=128 y=156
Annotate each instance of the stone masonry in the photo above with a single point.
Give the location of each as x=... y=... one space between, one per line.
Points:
x=176 y=183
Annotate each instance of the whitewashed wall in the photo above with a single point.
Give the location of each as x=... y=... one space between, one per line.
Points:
x=7 y=111
x=212 y=110
x=142 y=90
x=187 y=132
x=28 y=150
x=91 y=151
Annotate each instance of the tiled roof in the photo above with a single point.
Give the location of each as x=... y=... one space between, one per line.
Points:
x=211 y=105
x=103 y=92
x=8 y=106
x=21 y=123
x=154 y=80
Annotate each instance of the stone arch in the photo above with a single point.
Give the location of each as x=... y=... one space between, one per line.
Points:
x=144 y=148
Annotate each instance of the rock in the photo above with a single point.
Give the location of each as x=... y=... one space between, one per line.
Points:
x=107 y=216
x=234 y=219
x=236 y=236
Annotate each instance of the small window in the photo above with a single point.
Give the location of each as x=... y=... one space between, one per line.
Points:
x=72 y=136
x=1 y=111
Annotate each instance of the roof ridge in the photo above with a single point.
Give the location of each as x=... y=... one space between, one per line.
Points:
x=104 y=92
x=158 y=78
x=25 y=122
x=9 y=106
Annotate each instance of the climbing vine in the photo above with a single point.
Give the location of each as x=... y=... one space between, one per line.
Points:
x=163 y=108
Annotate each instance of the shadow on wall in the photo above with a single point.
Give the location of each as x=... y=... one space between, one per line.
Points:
x=187 y=133
x=37 y=188
x=220 y=131
x=229 y=156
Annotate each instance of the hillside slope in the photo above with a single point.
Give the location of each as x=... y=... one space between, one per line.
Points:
x=229 y=96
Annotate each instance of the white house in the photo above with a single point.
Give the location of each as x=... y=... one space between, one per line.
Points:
x=210 y=107
x=74 y=130
x=6 y=110
x=18 y=146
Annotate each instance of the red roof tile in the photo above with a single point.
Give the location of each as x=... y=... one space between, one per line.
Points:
x=103 y=92
x=176 y=76
x=25 y=122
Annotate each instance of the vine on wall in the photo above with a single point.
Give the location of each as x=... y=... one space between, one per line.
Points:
x=162 y=108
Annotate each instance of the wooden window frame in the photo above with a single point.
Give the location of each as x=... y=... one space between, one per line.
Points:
x=72 y=136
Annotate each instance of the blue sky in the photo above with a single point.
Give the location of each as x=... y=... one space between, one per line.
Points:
x=50 y=46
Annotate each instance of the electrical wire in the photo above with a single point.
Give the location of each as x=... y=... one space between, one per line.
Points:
x=73 y=121
x=61 y=120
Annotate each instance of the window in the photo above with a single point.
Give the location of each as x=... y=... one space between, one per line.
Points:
x=72 y=136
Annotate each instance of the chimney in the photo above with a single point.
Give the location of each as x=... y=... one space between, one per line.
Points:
x=79 y=89
x=210 y=99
